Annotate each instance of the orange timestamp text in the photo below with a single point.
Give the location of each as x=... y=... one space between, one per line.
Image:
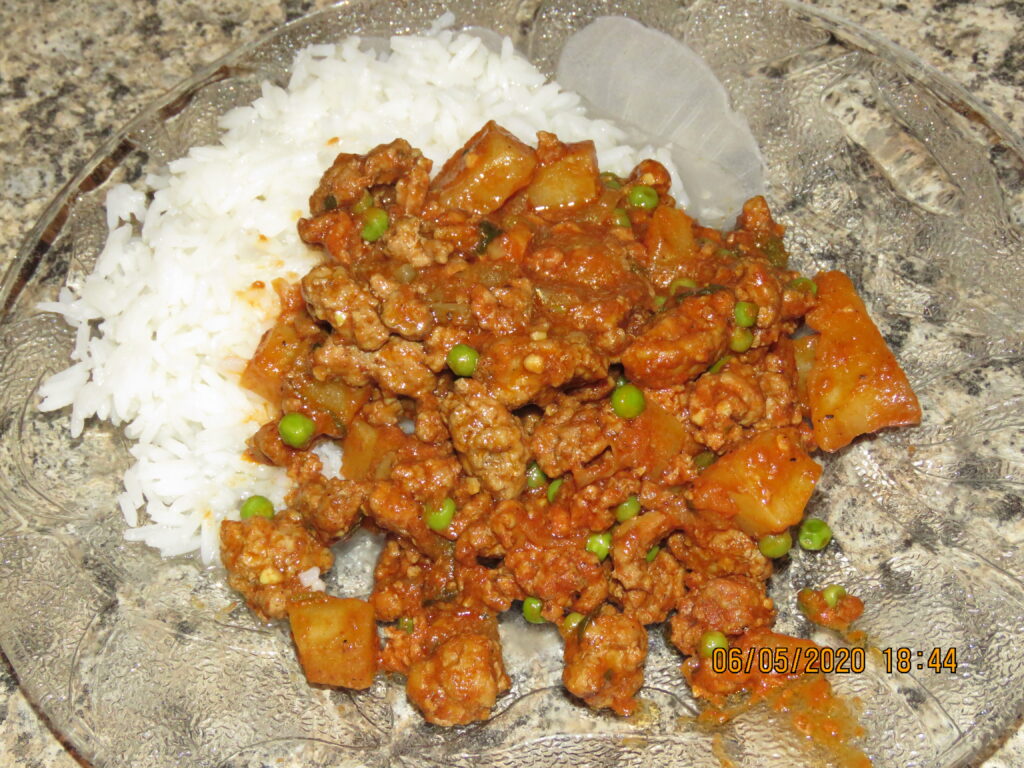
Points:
x=799 y=659
x=905 y=660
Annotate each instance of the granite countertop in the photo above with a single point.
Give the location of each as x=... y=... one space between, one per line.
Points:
x=73 y=72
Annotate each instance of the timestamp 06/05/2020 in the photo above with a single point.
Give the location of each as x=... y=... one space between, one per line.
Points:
x=810 y=659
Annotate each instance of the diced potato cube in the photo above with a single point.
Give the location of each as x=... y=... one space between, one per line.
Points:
x=336 y=639
x=855 y=386
x=670 y=244
x=280 y=346
x=274 y=357
x=568 y=182
x=492 y=167
x=764 y=484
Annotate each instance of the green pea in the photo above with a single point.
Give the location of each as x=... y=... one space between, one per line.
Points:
x=659 y=302
x=832 y=594
x=681 y=284
x=440 y=518
x=295 y=429
x=462 y=359
x=553 y=489
x=621 y=218
x=375 y=224
x=741 y=339
x=745 y=313
x=256 y=506
x=814 y=534
x=628 y=401
x=407 y=624
x=535 y=476
x=531 y=610
x=572 y=621
x=652 y=553
x=628 y=509
x=642 y=196
x=705 y=459
x=364 y=203
x=775 y=545
x=804 y=284
x=610 y=180
x=720 y=364
x=709 y=641
x=600 y=544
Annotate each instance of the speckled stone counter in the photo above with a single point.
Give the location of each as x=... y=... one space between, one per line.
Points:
x=72 y=72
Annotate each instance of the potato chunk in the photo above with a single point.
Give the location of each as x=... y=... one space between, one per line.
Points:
x=764 y=484
x=670 y=244
x=274 y=357
x=280 y=346
x=855 y=385
x=336 y=639
x=568 y=182
x=492 y=167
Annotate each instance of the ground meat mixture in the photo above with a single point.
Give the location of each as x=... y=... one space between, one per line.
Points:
x=488 y=438
x=460 y=681
x=553 y=389
x=265 y=557
x=604 y=662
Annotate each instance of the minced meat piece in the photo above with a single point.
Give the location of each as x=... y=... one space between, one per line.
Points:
x=489 y=440
x=353 y=312
x=459 y=682
x=265 y=557
x=729 y=604
x=604 y=663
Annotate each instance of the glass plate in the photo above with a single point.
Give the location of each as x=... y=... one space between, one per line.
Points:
x=878 y=166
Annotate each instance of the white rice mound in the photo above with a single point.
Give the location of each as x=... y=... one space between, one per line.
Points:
x=174 y=308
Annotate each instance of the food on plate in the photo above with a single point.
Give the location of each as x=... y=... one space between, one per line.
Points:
x=554 y=391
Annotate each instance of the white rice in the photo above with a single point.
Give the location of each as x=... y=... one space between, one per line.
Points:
x=168 y=318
